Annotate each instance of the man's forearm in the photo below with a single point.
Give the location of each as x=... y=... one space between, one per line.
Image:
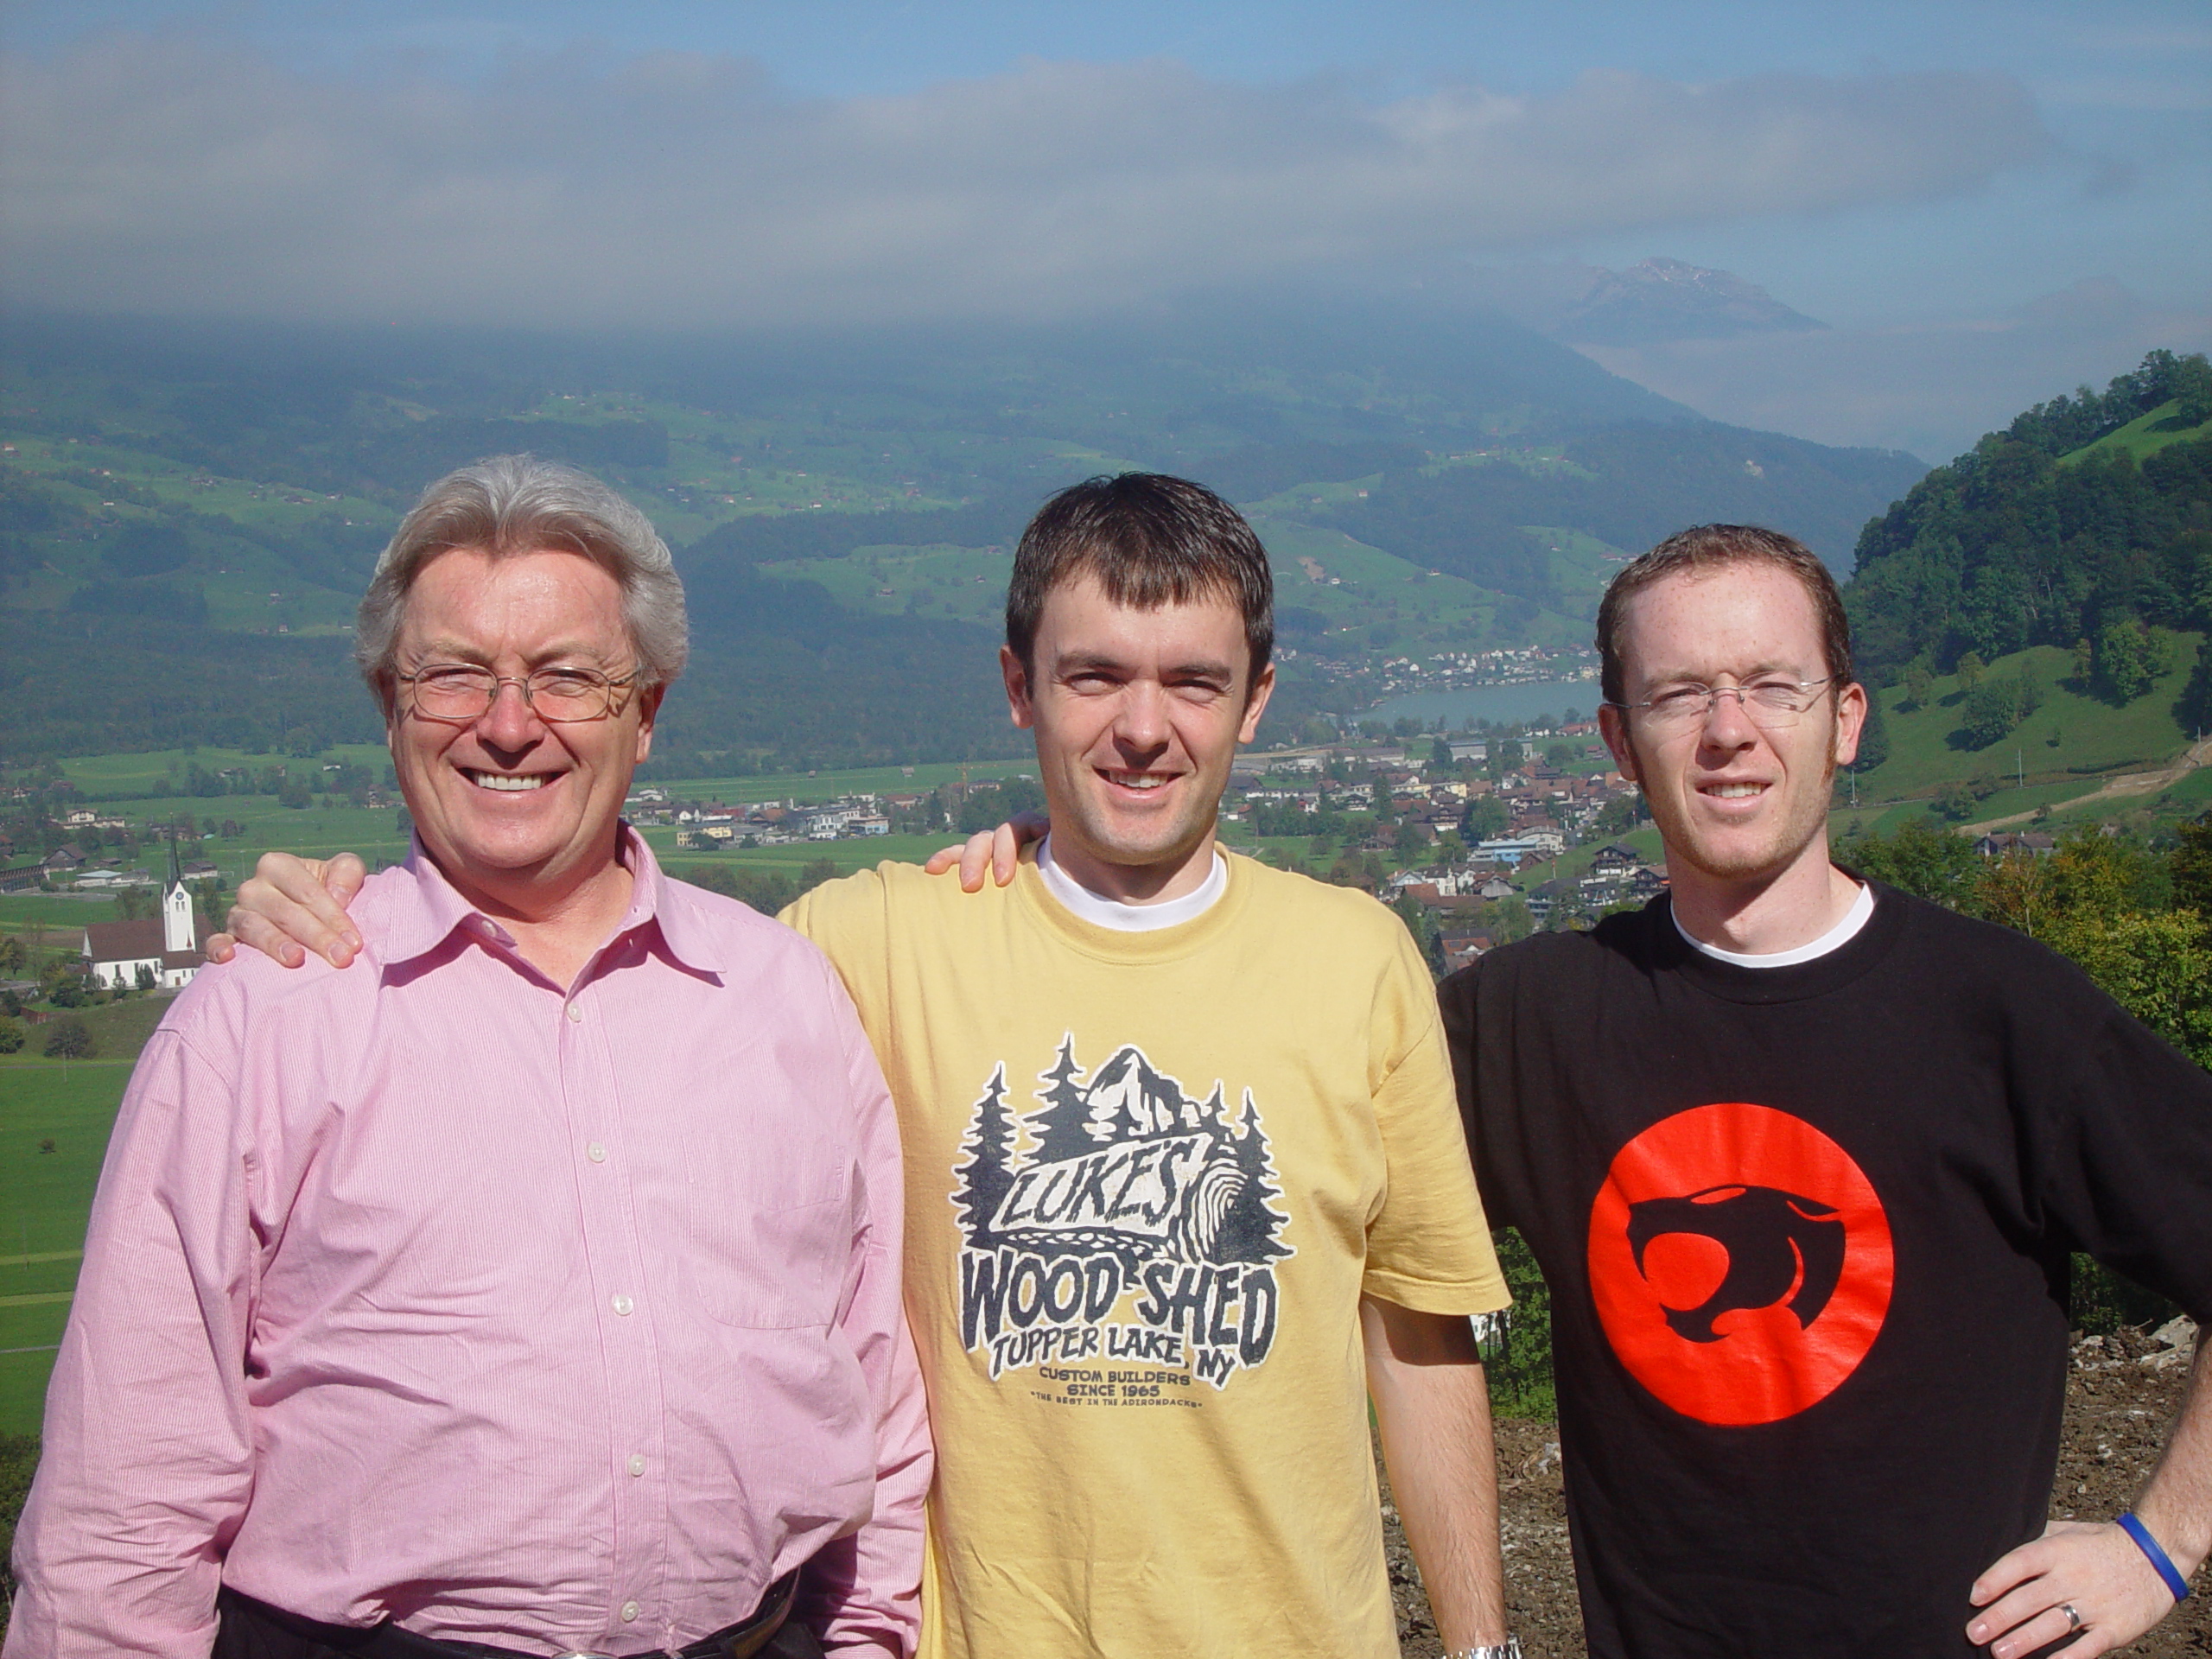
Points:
x=2176 y=1500
x=1432 y=1405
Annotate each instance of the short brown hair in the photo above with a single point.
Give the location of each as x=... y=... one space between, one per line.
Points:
x=1150 y=540
x=1711 y=547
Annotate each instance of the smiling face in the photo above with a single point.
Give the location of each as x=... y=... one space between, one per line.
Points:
x=1737 y=804
x=1137 y=715
x=518 y=812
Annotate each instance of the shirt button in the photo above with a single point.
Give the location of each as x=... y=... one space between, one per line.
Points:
x=629 y=1611
x=596 y=1152
x=575 y=1015
x=637 y=1463
x=623 y=1304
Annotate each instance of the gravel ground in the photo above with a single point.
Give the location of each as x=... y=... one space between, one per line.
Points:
x=2120 y=1399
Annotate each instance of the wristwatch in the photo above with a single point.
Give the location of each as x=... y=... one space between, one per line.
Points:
x=1509 y=1649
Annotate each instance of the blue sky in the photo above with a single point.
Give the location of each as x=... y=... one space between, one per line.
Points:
x=1988 y=202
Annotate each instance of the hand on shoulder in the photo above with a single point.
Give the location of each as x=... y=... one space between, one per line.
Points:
x=290 y=905
x=998 y=851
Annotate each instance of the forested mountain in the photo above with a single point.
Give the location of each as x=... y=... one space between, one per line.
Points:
x=1629 y=486
x=2085 y=519
x=842 y=506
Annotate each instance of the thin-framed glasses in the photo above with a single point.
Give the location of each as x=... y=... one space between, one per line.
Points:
x=1769 y=704
x=461 y=692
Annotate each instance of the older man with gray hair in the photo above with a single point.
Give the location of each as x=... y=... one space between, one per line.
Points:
x=535 y=1292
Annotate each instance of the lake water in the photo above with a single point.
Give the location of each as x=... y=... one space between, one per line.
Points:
x=1492 y=702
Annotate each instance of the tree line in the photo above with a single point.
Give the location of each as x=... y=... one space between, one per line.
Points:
x=2134 y=913
x=2023 y=542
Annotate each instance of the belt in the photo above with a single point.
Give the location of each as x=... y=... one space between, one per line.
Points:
x=388 y=1641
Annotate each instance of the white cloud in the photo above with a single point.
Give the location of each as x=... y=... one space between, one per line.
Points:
x=1932 y=388
x=188 y=173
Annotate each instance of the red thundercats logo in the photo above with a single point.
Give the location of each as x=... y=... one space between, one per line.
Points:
x=1740 y=1262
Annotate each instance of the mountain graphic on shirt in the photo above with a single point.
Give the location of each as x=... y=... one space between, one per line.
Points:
x=1121 y=1159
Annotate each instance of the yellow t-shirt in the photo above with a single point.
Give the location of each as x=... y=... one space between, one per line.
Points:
x=1148 y=1178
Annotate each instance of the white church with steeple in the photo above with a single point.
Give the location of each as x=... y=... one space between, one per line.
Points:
x=153 y=953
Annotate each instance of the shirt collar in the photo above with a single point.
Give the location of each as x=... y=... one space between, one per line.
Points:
x=689 y=941
x=1124 y=918
x=439 y=909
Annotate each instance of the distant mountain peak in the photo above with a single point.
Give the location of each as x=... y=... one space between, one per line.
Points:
x=1660 y=299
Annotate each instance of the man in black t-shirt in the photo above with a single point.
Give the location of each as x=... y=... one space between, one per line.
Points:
x=1804 y=1159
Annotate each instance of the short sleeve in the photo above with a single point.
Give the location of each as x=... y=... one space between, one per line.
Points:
x=2119 y=1141
x=1428 y=1248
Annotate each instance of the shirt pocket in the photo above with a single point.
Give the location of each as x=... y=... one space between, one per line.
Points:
x=770 y=1228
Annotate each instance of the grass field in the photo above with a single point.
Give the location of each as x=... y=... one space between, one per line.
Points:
x=858 y=853
x=138 y=781
x=2071 y=738
x=103 y=777
x=1884 y=818
x=57 y=912
x=2194 y=791
x=47 y=1194
x=965 y=584
x=45 y=1197
x=2147 y=434
x=1354 y=585
x=806 y=787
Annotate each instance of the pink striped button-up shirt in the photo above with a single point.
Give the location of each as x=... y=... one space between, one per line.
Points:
x=554 y=1321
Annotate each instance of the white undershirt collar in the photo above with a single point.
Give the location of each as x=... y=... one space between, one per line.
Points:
x=1102 y=911
x=1861 y=911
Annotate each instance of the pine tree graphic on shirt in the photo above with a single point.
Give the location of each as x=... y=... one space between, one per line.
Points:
x=1140 y=1223
x=990 y=1169
x=1061 y=1128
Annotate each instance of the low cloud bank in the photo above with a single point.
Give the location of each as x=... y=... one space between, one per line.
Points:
x=188 y=173
x=1932 y=389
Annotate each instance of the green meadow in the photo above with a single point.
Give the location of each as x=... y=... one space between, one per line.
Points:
x=147 y=783
x=159 y=773
x=2147 y=434
x=58 y=914
x=54 y=1119
x=854 y=853
x=2069 y=741
x=830 y=784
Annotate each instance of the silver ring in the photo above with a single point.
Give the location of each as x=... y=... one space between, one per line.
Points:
x=2073 y=1618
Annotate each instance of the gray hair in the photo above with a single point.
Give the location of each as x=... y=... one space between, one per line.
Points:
x=510 y=505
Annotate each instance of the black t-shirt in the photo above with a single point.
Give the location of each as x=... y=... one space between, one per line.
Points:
x=1806 y=1230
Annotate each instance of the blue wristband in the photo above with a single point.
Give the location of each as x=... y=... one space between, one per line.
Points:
x=2156 y=1556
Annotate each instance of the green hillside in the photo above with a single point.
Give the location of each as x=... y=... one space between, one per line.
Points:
x=53 y=1128
x=2088 y=518
x=2074 y=732
x=2148 y=433
x=2081 y=755
x=1334 y=593
x=187 y=517
x=1503 y=519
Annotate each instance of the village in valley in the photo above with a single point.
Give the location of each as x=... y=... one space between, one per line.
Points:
x=1465 y=833
x=1476 y=837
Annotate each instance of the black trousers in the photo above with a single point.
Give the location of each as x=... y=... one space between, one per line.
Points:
x=248 y=1629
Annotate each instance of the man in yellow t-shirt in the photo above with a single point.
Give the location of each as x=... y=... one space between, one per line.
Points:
x=1185 y=1180
x=1178 y=1129
x=1151 y=1175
